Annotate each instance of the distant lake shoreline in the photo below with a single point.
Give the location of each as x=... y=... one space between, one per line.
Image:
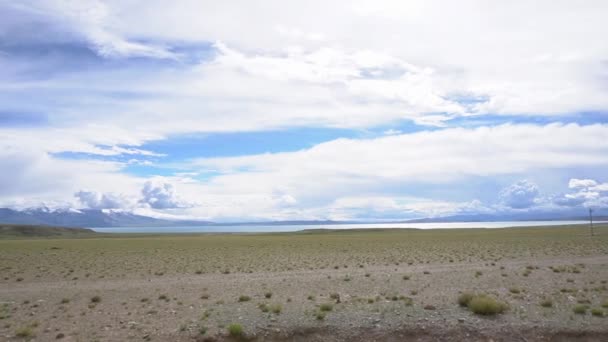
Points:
x=297 y=227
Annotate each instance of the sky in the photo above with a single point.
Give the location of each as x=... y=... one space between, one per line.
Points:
x=310 y=110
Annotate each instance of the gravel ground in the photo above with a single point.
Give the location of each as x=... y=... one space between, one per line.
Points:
x=387 y=302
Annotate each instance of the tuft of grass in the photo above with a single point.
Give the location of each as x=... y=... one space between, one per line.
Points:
x=268 y=295
x=597 y=312
x=546 y=303
x=485 y=305
x=276 y=308
x=95 y=299
x=605 y=304
x=235 y=330
x=320 y=316
x=326 y=307
x=465 y=298
x=65 y=301
x=407 y=300
x=406 y=277
x=478 y=273
x=580 y=309
x=514 y=290
x=244 y=298
x=25 y=332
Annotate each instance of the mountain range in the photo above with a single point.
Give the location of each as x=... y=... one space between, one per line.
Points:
x=116 y=218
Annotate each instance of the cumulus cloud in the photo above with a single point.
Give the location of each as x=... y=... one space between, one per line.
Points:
x=581 y=183
x=160 y=195
x=586 y=192
x=96 y=200
x=520 y=195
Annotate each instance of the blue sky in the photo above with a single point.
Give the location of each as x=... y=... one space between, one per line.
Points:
x=350 y=111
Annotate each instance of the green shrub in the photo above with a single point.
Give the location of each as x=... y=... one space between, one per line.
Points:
x=486 y=305
x=580 y=309
x=465 y=298
x=268 y=295
x=25 y=332
x=546 y=303
x=244 y=298
x=597 y=312
x=326 y=307
x=235 y=330
x=320 y=315
x=276 y=308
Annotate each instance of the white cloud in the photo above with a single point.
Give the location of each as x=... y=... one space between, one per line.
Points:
x=377 y=63
x=341 y=64
x=96 y=200
x=520 y=195
x=389 y=167
x=587 y=192
x=438 y=156
x=581 y=183
x=160 y=195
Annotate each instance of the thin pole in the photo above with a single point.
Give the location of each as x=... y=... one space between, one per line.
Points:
x=591 y=220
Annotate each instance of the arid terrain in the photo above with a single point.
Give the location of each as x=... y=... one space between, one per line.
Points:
x=522 y=284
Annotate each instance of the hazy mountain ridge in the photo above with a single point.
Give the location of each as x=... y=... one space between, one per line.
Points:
x=110 y=218
x=86 y=218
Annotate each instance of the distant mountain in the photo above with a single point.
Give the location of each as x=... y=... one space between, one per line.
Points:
x=508 y=217
x=117 y=218
x=86 y=218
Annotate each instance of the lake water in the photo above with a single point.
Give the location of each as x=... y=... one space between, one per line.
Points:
x=291 y=228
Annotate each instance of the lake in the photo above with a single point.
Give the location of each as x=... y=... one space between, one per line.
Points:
x=291 y=228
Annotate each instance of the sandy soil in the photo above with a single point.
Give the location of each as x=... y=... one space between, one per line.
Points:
x=371 y=302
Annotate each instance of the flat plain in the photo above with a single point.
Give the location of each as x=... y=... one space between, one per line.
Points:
x=523 y=284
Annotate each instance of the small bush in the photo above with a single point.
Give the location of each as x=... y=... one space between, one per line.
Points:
x=580 y=309
x=25 y=332
x=235 y=330
x=546 y=303
x=514 y=290
x=268 y=295
x=65 y=300
x=465 y=298
x=486 y=305
x=326 y=307
x=605 y=304
x=406 y=277
x=597 y=312
x=244 y=298
x=320 y=316
x=276 y=308
x=95 y=299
